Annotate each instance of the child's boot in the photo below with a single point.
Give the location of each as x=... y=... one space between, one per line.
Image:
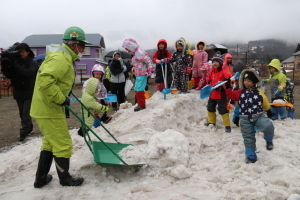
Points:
x=269 y=142
x=250 y=154
x=291 y=114
x=211 y=118
x=281 y=112
x=226 y=122
x=141 y=101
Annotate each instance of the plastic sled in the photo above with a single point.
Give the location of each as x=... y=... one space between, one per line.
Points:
x=105 y=153
x=111 y=98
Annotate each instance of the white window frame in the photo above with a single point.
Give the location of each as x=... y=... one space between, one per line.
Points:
x=79 y=67
x=87 y=51
x=34 y=51
x=98 y=53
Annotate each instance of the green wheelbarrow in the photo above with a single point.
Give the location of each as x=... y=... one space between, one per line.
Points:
x=105 y=154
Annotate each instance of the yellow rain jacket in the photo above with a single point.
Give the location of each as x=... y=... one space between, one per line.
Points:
x=54 y=82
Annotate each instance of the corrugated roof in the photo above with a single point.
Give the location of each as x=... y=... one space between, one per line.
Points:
x=288 y=60
x=42 y=40
x=297 y=53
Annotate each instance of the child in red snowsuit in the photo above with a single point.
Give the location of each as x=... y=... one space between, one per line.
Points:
x=161 y=57
x=218 y=96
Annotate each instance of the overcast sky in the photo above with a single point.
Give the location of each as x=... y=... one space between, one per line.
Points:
x=147 y=21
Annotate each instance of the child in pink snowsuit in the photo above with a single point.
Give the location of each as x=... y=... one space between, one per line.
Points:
x=200 y=71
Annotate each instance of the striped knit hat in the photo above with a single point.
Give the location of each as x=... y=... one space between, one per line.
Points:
x=218 y=57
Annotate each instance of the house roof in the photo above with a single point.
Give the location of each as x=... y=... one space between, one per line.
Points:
x=42 y=40
x=289 y=60
x=297 y=53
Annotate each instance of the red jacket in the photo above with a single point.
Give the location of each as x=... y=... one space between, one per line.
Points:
x=161 y=54
x=216 y=75
x=226 y=66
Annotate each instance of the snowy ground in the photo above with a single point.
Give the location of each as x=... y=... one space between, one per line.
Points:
x=184 y=159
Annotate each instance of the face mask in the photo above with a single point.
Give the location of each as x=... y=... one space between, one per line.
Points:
x=79 y=54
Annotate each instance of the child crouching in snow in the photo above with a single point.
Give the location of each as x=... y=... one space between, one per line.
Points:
x=218 y=96
x=252 y=102
x=89 y=99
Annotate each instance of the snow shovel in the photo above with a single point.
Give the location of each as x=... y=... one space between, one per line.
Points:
x=206 y=90
x=166 y=90
x=105 y=153
x=111 y=98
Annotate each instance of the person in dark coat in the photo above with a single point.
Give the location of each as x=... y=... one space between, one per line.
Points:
x=119 y=75
x=22 y=72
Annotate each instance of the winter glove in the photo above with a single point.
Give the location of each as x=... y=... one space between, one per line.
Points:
x=269 y=113
x=228 y=83
x=97 y=122
x=66 y=102
x=150 y=71
x=236 y=121
x=188 y=70
x=105 y=108
x=277 y=93
x=157 y=61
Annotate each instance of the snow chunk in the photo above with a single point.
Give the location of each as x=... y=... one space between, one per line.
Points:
x=180 y=172
x=167 y=149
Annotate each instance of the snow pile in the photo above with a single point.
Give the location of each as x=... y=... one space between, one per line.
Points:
x=183 y=159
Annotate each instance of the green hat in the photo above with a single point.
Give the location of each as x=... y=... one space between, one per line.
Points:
x=75 y=33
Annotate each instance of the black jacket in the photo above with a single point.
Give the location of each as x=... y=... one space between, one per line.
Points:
x=22 y=74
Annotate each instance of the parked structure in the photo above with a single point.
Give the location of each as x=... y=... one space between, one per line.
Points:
x=92 y=51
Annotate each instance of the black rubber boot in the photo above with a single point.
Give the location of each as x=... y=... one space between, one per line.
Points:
x=42 y=177
x=138 y=108
x=249 y=160
x=207 y=124
x=62 y=168
x=227 y=129
x=80 y=132
x=269 y=146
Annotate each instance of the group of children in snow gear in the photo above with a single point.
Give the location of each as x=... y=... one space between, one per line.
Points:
x=54 y=83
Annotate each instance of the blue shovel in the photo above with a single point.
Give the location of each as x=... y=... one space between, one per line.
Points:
x=111 y=98
x=166 y=90
x=206 y=90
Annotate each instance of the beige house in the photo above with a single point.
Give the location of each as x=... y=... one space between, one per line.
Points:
x=297 y=60
x=288 y=64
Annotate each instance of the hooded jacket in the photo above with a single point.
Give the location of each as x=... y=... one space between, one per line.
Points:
x=140 y=61
x=180 y=59
x=216 y=75
x=277 y=79
x=89 y=99
x=252 y=101
x=102 y=92
x=199 y=58
x=54 y=82
x=226 y=66
x=22 y=75
x=117 y=70
x=158 y=55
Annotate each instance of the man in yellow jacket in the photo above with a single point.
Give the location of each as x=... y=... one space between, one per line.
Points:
x=54 y=82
